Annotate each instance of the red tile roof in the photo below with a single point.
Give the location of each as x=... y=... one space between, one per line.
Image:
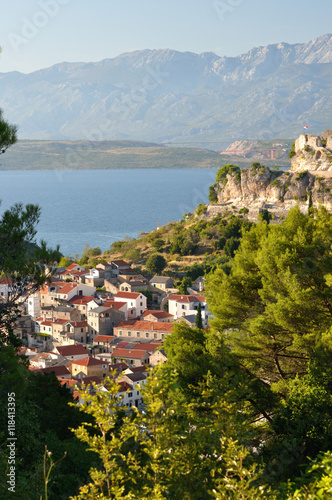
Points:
x=115 y=305
x=124 y=387
x=127 y=295
x=58 y=370
x=46 y=323
x=68 y=381
x=121 y=263
x=72 y=350
x=72 y=266
x=82 y=299
x=88 y=380
x=6 y=281
x=88 y=361
x=153 y=326
x=150 y=346
x=138 y=369
x=129 y=353
x=187 y=298
x=67 y=288
x=158 y=314
x=103 y=338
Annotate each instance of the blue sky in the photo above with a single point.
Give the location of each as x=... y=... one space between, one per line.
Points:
x=38 y=34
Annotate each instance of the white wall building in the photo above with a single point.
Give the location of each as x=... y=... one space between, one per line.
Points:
x=136 y=303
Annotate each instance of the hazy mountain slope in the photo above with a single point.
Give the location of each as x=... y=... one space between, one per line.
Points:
x=164 y=95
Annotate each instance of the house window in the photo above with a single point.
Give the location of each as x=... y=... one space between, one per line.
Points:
x=137 y=393
x=147 y=335
x=81 y=339
x=141 y=303
x=81 y=329
x=129 y=334
x=162 y=335
x=183 y=307
x=130 y=394
x=154 y=335
x=138 y=334
x=120 y=332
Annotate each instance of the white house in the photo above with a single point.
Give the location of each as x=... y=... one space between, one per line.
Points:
x=184 y=305
x=69 y=290
x=136 y=303
x=6 y=287
x=34 y=306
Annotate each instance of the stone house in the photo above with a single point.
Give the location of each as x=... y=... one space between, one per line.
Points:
x=143 y=329
x=101 y=321
x=161 y=282
x=89 y=367
x=158 y=357
x=68 y=332
x=132 y=357
x=83 y=304
x=72 y=352
x=161 y=316
x=102 y=343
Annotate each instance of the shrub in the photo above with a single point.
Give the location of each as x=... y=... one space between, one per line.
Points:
x=228 y=169
x=213 y=198
x=201 y=209
x=292 y=151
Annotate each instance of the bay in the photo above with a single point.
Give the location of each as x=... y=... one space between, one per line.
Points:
x=98 y=207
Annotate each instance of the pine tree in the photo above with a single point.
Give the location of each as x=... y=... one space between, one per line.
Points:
x=198 y=319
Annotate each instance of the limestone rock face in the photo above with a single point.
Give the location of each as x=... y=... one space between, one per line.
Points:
x=313 y=153
x=261 y=188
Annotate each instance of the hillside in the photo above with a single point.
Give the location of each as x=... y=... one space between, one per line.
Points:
x=177 y=97
x=47 y=155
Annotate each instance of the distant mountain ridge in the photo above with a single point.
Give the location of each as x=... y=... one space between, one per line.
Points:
x=179 y=97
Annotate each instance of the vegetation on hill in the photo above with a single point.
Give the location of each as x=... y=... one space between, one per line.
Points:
x=55 y=155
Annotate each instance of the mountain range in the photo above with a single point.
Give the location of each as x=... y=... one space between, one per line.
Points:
x=183 y=98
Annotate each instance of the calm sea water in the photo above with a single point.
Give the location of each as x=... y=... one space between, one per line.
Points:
x=99 y=207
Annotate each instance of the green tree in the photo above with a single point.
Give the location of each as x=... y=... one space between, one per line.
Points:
x=186 y=281
x=7 y=133
x=22 y=262
x=156 y=263
x=65 y=261
x=198 y=319
x=277 y=301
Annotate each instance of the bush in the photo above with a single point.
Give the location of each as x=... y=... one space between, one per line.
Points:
x=201 y=209
x=292 y=151
x=213 y=198
x=158 y=244
x=228 y=169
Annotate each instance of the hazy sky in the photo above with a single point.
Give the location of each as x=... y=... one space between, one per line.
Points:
x=38 y=34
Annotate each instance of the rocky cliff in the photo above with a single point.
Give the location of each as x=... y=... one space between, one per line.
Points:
x=259 y=188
